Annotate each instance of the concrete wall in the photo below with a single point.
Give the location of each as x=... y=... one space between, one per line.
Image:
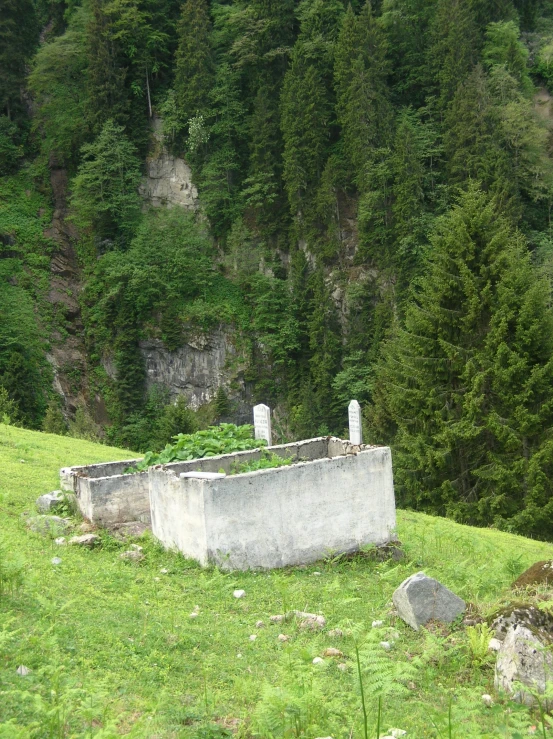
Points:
x=105 y=495
x=277 y=517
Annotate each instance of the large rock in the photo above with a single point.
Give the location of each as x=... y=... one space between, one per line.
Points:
x=421 y=599
x=540 y=573
x=55 y=500
x=525 y=659
x=49 y=525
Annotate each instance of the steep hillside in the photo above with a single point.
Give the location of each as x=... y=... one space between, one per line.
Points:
x=239 y=201
x=112 y=647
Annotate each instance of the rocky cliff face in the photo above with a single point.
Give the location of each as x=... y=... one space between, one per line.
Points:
x=67 y=353
x=168 y=182
x=197 y=369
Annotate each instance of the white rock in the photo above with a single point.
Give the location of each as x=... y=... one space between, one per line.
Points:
x=318 y=661
x=86 y=540
x=397 y=732
x=523 y=658
x=239 y=593
x=277 y=619
x=253 y=637
x=157 y=579
x=310 y=620
x=487 y=700
x=22 y=670
x=386 y=645
x=56 y=560
x=133 y=555
x=283 y=637
x=377 y=624
x=194 y=614
x=60 y=541
x=494 y=645
x=316 y=574
x=239 y=656
x=335 y=633
x=259 y=625
x=196 y=609
x=164 y=571
x=342 y=666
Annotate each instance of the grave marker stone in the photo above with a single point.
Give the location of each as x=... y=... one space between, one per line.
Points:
x=262 y=423
x=355 y=423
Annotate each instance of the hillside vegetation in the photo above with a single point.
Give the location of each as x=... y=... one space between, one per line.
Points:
x=375 y=188
x=112 y=648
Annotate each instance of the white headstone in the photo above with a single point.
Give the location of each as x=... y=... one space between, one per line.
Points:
x=262 y=423
x=355 y=423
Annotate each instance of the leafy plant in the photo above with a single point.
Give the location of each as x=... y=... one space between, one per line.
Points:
x=12 y=569
x=223 y=439
x=478 y=638
x=267 y=461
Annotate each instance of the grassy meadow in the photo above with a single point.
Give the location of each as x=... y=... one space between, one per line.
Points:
x=113 y=650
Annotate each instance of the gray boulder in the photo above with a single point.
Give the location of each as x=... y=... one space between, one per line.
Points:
x=86 y=540
x=420 y=599
x=49 y=525
x=50 y=501
x=524 y=659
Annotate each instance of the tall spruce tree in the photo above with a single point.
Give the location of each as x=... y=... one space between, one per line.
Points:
x=453 y=48
x=464 y=382
x=363 y=107
x=305 y=116
x=18 y=36
x=194 y=59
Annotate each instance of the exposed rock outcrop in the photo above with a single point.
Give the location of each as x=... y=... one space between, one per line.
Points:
x=168 y=182
x=197 y=369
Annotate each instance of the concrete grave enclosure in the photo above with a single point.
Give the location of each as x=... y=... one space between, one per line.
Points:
x=106 y=495
x=335 y=496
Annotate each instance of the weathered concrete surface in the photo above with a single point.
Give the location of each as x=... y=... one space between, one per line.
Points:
x=420 y=599
x=523 y=658
x=276 y=517
x=105 y=495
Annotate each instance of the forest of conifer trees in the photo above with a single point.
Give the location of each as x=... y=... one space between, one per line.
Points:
x=375 y=184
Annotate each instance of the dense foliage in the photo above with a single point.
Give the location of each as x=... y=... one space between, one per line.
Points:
x=330 y=142
x=223 y=439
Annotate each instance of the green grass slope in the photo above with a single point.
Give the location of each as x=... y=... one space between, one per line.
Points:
x=113 y=649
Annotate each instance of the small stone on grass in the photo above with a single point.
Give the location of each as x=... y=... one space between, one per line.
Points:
x=318 y=661
x=332 y=652
x=23 y=671
x=259 y=625
x=239 y=593
x=56 y=560
x=86 y=540
x=283 y=637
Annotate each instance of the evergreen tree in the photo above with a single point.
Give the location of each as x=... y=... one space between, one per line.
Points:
x=325 y=346
x=415 y=189
x=453 y=48
x=194 y=59
x=305 y=116
x=105 y=195
x=18 y=36
x=107 y=96
x=463 y=382
x=363 y=106
x=406 y=24
x=471 y=144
